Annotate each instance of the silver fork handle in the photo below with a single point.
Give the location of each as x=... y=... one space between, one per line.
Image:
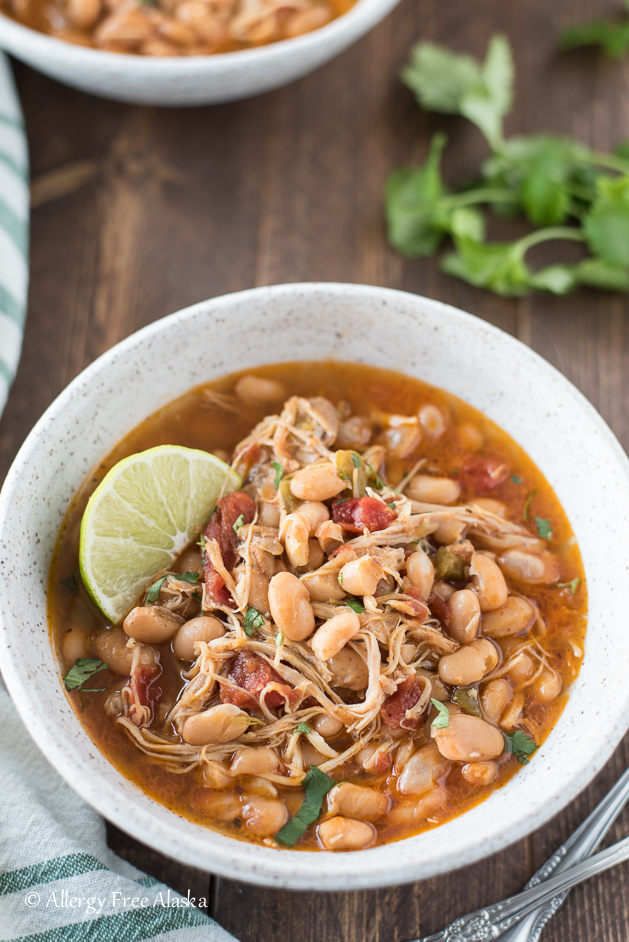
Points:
x=486 y=924
x=580 y=845
x=545 y=894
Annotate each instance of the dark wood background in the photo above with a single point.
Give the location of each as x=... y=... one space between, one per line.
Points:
x=140 y=211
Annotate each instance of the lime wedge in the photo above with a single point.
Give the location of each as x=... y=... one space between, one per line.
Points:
x=140 y=518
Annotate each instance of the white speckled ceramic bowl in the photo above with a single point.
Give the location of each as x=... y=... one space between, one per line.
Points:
x=554 y=423
x=190 y=80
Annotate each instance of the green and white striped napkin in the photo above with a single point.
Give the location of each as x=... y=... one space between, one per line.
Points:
x=59 y=882
x=14 y=205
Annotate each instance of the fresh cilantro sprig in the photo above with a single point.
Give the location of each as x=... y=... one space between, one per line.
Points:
x=303 y=728
x=544 y=528
x=253 y=619
x=317 y=785
x=573 y=585
x=279 y=473
x=520 y=745
x=611 y=35
x=82 y=670
x=565 y=190
x=442 y=719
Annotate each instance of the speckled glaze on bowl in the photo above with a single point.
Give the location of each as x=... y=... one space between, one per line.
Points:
x=554 y=423
x=190 y=80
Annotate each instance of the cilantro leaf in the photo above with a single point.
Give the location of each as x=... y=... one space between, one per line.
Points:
x=527 y=505
x=355 y=459
x=515 y=479
x=595 y=273
x=490 y=100
x=497 y=266
x=73 y=581
x=544 y=528
x=279 y=473
x=187 y=576
x=557 y=279
x=573 y=585
x=317 y=785
x=279 y=638
x=606 y=226
x=354 y=604
x=83 y=669
x=253 y=619
x=443 y=715
x=152 y=593
x=439 y=78
x=612 y=37
x=520 y=745
x=379 y=482
x=303 y=728
x=238 y=524
x=416 y=225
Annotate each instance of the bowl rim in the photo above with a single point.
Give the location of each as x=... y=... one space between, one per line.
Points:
x=284 y=869
x=207 y=64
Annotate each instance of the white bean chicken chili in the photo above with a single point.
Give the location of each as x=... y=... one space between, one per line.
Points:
x=378 y=628
x=179 y=28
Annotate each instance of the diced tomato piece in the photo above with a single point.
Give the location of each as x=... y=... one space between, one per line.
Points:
x=359 y=513
x=144 y=688
x=221 y=529
x=393 y=710
x=439 y=608
x=483 y=474
x=252 y=673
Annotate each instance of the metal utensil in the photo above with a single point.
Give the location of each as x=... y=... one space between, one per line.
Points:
x=521 y=918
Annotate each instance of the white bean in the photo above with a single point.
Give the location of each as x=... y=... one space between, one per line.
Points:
x=151 y=624
x=203 y=628
x=255 y=390
x=334 y=634
x=254 y=760
x=357 y=801
x=480 y=773
x=296 y=535
x=464 y=619
x=361 y=576
x=421 y=771
x=341 y=833
x=349 y=670
x=290 y=606
x=218 y=724
x=264 y=816
x=323 y=586
x=74 y=644
x=489 y=582
x=432 y=420
x=532 y=568
x=468 y=738
x=468 y=664
x=327 y=726
x=110 y=645
x=515 y=617
x=433 y=490
x=421 y=572
x=317 y=482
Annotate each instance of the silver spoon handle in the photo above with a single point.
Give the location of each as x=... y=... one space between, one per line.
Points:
x=579 y=846
x=489 y=923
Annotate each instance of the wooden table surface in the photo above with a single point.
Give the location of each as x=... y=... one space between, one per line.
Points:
x=140 y=211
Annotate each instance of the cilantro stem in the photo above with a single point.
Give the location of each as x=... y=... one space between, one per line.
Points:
x=553 y=232
x=611 y=161
x=488 y=195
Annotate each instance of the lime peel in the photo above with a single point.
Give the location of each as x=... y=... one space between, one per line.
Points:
x=140 y=518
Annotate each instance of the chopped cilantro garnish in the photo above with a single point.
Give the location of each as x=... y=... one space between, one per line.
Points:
x=187 y=576
x=84 y=668
x=317 y=785
x=379 y=482
x=239 y=523
x=153 y=591
x=544 y=528
x=340 y=578
x=520 y=745
x=354 y=604
x=355 y=459
x=390 y=504
x=515 y=479
x=279 y=638
x=303 y=728
x=443 y=715
x=527 y=506
x=573 y=585
x=253 y=619
x=279 y=473
x=72 y=581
